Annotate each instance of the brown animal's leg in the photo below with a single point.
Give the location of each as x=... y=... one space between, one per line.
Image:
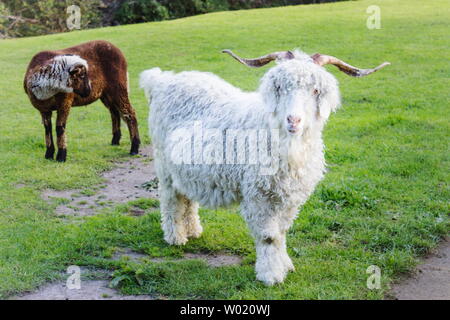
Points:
x=115 y=117
x=61 y=120
x=47 y=122
x=128 y=114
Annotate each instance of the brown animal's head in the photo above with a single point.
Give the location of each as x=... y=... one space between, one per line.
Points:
x=79 y=80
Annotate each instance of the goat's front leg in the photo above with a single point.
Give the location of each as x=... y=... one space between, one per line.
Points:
x=285 y=222
x=271 y=264
x=47 y=122
x=61 y=120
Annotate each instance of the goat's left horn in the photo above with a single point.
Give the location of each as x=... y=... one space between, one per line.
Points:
x=322 y=60
x=261 y=61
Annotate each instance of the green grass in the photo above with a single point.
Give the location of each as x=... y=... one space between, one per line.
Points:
x=383 y=202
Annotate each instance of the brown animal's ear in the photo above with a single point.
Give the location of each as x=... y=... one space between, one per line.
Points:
x=44 y=69
x=76 y=69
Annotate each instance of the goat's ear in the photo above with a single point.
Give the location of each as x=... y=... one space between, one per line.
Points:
x=329 y=101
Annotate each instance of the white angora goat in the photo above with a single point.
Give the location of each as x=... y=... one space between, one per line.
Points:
x=215 y=145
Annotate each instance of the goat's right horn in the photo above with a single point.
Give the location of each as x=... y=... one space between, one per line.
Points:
x=261 y=61
x=322 y=60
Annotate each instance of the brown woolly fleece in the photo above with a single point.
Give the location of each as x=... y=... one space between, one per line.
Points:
x=106 y=78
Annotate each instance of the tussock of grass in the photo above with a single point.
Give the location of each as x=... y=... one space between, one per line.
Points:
x=383 y=202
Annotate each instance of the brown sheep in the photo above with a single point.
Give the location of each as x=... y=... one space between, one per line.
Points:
x=77 y=76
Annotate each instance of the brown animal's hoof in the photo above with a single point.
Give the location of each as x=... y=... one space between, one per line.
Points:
x=135 y=147
x=49 y=153
x=116 y=139
x=62 y=155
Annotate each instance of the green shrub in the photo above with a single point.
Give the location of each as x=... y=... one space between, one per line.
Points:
x=154 y=10
x=20 y=18
x=141 y=11
x=34 y=17
x=184 y=8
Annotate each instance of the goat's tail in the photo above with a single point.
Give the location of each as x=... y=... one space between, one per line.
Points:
x=148 y=79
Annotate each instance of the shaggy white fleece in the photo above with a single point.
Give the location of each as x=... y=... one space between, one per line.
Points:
x=54 y=77
x=192 y=117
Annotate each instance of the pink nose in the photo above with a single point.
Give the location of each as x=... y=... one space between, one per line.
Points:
x=293 y=120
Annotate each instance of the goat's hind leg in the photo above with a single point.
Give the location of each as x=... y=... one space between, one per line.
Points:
x=47 y=122
x=173 y=208
x=192 y=219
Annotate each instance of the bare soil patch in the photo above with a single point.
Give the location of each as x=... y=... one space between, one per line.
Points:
x=430 y=281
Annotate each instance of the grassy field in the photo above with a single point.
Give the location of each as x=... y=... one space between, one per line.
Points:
x=383 y=202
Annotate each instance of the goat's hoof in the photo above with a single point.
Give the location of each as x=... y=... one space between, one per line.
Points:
x=271 y=278
x=62 y=155
x=176 y=241
x=288 y=265
x=195 y=233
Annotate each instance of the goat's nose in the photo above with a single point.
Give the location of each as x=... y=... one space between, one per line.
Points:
x=293 y=120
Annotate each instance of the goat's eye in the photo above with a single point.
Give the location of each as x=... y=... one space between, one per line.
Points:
x=316 y=92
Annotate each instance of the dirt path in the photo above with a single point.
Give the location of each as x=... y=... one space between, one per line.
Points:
x=130 y=180
x=431 y=280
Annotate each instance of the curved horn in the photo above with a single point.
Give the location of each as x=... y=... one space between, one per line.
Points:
x=322 y=60
x=261 y=61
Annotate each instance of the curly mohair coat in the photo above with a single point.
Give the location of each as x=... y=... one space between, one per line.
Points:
x=293 y=102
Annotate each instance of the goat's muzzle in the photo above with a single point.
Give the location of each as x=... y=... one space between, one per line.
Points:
x=293 y=124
